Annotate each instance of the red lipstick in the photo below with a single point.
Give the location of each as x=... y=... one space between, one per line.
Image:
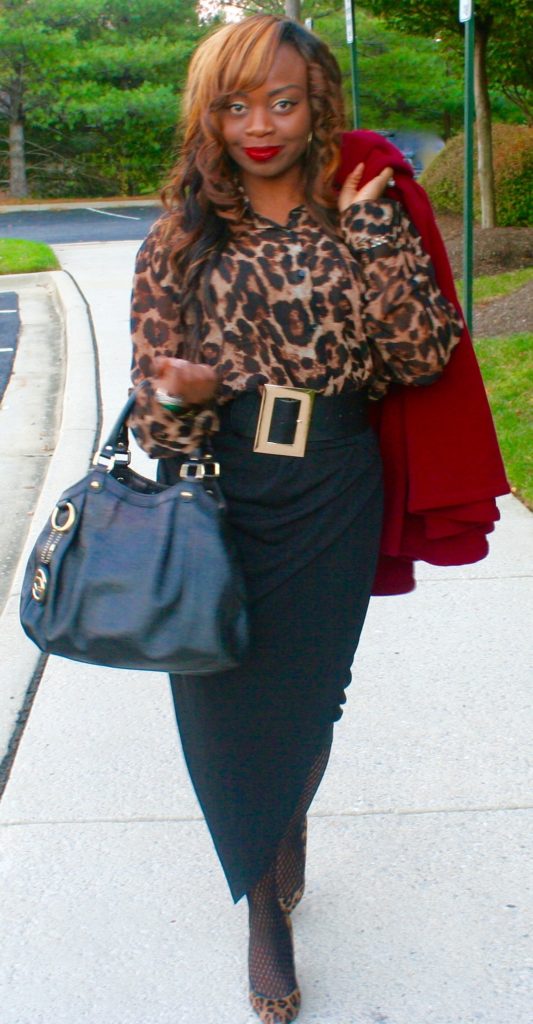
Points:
x=262 y=153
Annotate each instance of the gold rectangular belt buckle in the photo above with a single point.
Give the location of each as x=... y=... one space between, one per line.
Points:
x=264 y=421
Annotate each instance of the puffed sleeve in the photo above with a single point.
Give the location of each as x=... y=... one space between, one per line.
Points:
x=156 y=331
x=410 y=326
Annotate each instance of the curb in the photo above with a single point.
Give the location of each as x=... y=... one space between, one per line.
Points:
x=77 y=437
x=99 y=204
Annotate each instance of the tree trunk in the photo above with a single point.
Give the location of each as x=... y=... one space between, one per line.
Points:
x=18 y=186
x=293 y=10
x=484 y=127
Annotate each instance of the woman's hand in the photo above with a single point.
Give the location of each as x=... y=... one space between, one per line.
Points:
x=195 y=383
x=374 y=189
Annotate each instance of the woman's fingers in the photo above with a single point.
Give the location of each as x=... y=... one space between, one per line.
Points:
x=375 y=188
x=372 y=190
x=195 y=383
x=355 y=176
x=350 y=187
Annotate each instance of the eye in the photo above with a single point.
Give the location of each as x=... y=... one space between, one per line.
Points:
x=284 y=105
x=236 y=108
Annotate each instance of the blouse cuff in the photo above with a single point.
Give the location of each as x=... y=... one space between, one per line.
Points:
x=372 y=228
x=163 y=433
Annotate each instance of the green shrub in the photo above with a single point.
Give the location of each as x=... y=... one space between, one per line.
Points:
x=513 y=171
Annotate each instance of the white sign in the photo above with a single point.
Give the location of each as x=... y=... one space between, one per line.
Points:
x=465 y=10
x=349 y=23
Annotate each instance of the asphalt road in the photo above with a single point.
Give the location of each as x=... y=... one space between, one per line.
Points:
x=9 y=326
x=80 y=225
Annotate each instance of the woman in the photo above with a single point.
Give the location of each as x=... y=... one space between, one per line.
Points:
x=261 y=274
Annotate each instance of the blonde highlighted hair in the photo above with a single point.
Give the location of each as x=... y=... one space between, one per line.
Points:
x=203 y=197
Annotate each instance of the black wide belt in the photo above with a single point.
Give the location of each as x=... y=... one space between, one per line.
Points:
x=284 y=420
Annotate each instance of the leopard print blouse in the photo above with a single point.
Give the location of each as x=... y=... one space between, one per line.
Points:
x=292 y=306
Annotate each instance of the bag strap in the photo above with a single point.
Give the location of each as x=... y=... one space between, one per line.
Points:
x=116 y=448
x=116 y=451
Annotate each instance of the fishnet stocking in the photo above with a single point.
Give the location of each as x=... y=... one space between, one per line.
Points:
x=290 y=857
x=271 y=956
x=290 y=866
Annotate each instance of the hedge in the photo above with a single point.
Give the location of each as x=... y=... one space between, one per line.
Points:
x=513 y=170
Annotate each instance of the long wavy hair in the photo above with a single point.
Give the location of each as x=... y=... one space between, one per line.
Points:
x=204 y=201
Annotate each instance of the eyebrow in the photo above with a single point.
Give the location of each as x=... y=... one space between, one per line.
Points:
x=273 y=92
x=292 y=85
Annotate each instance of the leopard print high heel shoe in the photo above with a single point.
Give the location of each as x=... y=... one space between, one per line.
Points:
x=276 y=1011
x=290 y=870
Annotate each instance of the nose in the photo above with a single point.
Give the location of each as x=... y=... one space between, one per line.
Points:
x=259 y=123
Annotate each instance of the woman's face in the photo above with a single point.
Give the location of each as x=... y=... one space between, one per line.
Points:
x=266 y=130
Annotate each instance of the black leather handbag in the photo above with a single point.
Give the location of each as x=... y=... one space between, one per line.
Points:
x=131 y=573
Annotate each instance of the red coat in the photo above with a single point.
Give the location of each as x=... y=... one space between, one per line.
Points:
x=442 y=464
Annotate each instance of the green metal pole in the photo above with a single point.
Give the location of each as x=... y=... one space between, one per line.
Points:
x=351 y=37
x=468 y=242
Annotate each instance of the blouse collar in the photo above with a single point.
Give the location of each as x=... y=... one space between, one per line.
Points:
x=295 y=217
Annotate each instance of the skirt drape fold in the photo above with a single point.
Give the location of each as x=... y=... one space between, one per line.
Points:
x=307 y=531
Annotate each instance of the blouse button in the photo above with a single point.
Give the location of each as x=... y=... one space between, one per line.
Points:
x=301 y=274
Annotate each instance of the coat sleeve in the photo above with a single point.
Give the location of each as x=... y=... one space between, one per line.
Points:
x=410 y=327
x=156 y=330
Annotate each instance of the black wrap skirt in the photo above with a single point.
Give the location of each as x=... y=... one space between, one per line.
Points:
x=307 y=531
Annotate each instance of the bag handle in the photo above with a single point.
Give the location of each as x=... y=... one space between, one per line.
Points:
x=116 y=450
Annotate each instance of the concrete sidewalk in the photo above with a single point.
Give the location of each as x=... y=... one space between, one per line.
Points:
x=115 y=908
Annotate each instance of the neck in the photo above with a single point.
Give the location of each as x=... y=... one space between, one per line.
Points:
x=274 y=197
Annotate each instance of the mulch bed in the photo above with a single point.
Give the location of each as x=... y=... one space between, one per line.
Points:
x=512 y=314
x=496 y=250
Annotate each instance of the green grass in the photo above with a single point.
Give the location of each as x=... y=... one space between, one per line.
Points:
x=18 y=256
x=507 y=368
x=494 y=286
